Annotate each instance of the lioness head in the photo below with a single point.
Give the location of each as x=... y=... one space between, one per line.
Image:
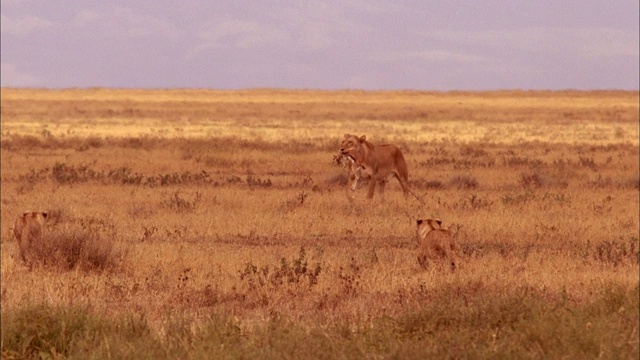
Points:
x=351 y=144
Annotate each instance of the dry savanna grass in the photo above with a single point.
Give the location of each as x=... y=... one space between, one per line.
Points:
x=213 y=224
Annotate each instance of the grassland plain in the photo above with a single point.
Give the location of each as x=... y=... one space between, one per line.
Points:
x=213 y=224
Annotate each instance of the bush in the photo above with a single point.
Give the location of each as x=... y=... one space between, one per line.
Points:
x=455 y=321
x=73 y=247
x=539 y=179
x=464 y=182
x=71 y=174
x=531 y=180
x=296 y=272
x=41 y=331
x=181 y=204
x=44 y=332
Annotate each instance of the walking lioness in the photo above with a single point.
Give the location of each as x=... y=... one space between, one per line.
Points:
x=435 y=242
x=28 y=228
x=380 y=162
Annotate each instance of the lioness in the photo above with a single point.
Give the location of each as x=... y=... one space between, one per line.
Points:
x=433 y=241
x=380 y=162
x=28 y=228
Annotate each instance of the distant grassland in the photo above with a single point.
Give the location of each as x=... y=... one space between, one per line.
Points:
x=213 y=224
x=279 y=115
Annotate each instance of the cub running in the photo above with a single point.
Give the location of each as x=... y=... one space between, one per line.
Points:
x=380 y=162
x=433 y=241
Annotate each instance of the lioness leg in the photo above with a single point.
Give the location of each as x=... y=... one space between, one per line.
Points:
x=25 y=247
x=383 y=184
x=427 y=255
x=372 y=188
x=451 y=256
x=403 y=184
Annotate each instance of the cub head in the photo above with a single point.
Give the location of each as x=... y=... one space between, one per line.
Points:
x=343 y=160
x=431 y=224
x=351 y=144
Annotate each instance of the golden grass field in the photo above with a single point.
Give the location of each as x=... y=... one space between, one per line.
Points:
x=225 y=231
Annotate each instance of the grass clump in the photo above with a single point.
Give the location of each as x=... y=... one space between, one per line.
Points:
x=73 y=247
x=464 y=182
x=298 y=271
x=43 y=331
x=458 y=321
x=519 y=324
x=181 y=204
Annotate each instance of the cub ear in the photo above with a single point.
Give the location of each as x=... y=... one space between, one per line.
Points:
x=419 y=221
x=346 y=136
x=363 y=138
x=45 y=214
x=26 y=213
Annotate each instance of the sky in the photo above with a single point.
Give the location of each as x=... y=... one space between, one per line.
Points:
x=342 y=44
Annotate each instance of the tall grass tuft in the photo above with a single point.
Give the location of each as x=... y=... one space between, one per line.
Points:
x=455 y=321
x=464 y=182
x=40 y=331
x=75 y=247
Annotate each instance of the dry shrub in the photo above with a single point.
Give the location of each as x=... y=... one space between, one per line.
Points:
x=340 y=179
x=297 y=272
x=464 y=182
x=75 y=247
x=57 y=214
x=34 y=176
x=141 y=143
x=426 y=184
x=17 y=142
x=296 y=277
x=90 y=142
x=215 y=161
x=70 y=174
x=181 y=204
x=434 y=184
x=539 y=179
x=472 y=151
x=531 y=180
x=632 y=182
x=614 y=251
x=351 y=278
x=294 y=203
x=516 y=161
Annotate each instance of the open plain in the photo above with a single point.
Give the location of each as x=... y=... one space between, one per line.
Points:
x=193 y=224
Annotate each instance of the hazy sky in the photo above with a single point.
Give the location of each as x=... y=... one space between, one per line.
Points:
x=355 y=44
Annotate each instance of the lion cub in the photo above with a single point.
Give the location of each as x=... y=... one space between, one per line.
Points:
x=28 y=228
x=355 y=170
x=433 y=241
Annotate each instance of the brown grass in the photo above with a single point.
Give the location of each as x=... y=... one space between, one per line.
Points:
x=227 y=202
